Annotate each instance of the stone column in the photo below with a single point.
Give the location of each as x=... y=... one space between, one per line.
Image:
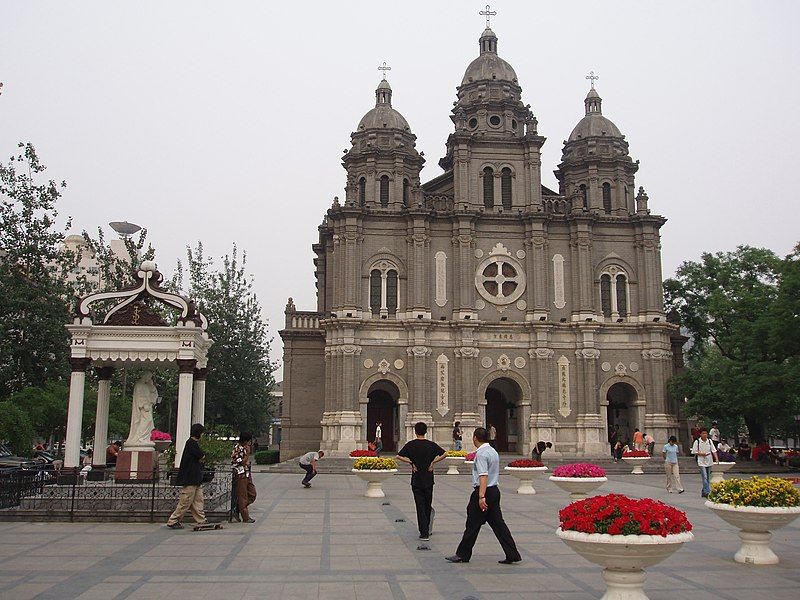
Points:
x=72 y=442
x=101 y=417
x=199 y=396
x=184 y=420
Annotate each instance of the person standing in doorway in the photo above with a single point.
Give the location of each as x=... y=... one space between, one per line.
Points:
x=308 y=462
x=422 y=454
x=613 y=438
x=492 y=436
x=378 y=439
x=638 y=440
x=457 y=435
x=243 y=478
x=670 y=453
x=484 y=504
x=703 y=448
x=190 y=478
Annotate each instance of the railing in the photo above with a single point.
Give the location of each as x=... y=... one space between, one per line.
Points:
x=439 y=201
x=555 y=205
x=146 y=495
x=302 y=319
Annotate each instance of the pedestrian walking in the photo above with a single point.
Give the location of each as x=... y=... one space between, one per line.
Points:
x=422 y=454
x=613 y=438
x=638 y=440
x=539 y=448
x=457 y=436
x=243 y=478
x=190 y=478
x=670 y=454
x=378 y=439
x=484 y=504
x=308 y=462
x=703 y=448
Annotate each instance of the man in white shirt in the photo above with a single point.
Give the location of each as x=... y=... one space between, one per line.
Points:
x=703 y=448
x=378 y=439
x=713 y=433
x=308 y=462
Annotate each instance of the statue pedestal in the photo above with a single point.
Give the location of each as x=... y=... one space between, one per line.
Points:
x=135 y=466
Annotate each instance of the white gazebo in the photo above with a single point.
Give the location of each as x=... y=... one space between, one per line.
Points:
x=132 y=333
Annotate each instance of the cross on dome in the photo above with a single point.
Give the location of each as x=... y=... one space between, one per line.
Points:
x=384 y=68
x=488 y=13
x=591 y=77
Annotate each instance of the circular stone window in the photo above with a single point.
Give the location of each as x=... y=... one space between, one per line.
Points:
x=494 y=120
x=500 y=279
x=473 y=123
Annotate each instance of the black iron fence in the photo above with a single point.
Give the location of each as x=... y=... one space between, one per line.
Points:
x=140 y=495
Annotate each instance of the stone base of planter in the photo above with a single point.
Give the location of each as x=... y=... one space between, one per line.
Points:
x=452 y=464
x=717 y=471
x=374 y=481
x=637 y=463
x=525 y=476
x=578 y=487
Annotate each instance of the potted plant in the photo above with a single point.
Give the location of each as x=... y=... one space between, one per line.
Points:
x=726 y=461
x=525 y=470
x=579 y=478
x=756 y=507
x=356 y=454
x=374 y=471
x=637 y=458
x=454 y=458
x=623 y=535
x=161 y=439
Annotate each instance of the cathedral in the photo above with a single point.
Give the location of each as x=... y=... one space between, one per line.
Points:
x=482 y=296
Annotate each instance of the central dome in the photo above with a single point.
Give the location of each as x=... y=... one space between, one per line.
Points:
x=488 y=66
x=383 y=116
x=594 y=124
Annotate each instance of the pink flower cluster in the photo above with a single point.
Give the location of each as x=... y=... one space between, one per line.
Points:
x=579 y=470
x=362 y=453
x=635 y=454
x=470 y=456
x=159 y=436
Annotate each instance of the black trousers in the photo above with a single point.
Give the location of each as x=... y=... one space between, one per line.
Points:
x=494 y=517
x=423 y=498
x=310 y=474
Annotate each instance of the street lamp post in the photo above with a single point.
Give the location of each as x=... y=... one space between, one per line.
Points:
x=797 y=431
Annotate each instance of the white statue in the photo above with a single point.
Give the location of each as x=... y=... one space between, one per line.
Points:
x=145 y=396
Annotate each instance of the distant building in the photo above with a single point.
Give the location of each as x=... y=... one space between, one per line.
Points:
x=87 y=263
x=482 y=296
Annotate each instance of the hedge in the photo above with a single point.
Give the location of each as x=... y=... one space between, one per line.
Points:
x=267 y=457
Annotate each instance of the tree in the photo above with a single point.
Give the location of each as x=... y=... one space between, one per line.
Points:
x=240 y=372
x=34 y=293
x=15 y=429
x=742 y=310
x=46 y=408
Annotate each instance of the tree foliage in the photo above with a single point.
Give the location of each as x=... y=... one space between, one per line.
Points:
x=15 y=428
x=742 y=309
x=33 y=267
x=240 y=372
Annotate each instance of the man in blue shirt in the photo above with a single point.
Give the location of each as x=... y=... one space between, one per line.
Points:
x=484 y=504
x=670 y=453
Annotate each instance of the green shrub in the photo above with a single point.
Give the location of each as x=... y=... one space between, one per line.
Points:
x=16 y=429
x=217 y=451
x=793 y=462
x=267 y=457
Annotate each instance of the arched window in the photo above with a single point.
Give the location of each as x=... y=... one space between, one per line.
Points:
x=505 y=187
x=406 y=192
x=607 y=198
x=391 y=291
x=362 y=191
x=622 y=296
x=384 y=190
x=488 y=187
x=584 y=197
x=626 y=199
x=375 y=291
x=605 y=294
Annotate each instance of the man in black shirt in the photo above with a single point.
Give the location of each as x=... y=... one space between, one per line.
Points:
x=190 y=476
x=422 y=454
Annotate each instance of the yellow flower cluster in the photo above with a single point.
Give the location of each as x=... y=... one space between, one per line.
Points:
x=764 y=492
x=457 y=453
x=372 y=463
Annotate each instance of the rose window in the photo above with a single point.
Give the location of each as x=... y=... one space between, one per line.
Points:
x=500 y=279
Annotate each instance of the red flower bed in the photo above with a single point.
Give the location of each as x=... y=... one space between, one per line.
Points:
x=359 y=453
x=636 y=454
x=616 y=514
x=525 y=462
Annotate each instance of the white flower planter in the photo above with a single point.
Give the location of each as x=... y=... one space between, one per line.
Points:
x=452 y=464
x=374 y=479
x=624 y=557
x=637 y=462
x=718 y=469
x=578 y=487
x=755 y=524
x=525 y=476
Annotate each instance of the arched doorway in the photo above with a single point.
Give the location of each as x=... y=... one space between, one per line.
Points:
x=503 y=398
x=621 y=411
x=382 y=406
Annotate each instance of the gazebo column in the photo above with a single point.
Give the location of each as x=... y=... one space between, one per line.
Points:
x=199 y=396
x=184 y=420
x=77 y=382
x=104 y=375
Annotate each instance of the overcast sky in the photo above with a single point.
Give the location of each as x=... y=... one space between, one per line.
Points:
x=225 y=121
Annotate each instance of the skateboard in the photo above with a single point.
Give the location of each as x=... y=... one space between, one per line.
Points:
x=207 y=526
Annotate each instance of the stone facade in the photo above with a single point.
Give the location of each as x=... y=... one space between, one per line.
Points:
x=482 y=296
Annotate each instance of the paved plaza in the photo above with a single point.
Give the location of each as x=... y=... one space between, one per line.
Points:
x=330 y=542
